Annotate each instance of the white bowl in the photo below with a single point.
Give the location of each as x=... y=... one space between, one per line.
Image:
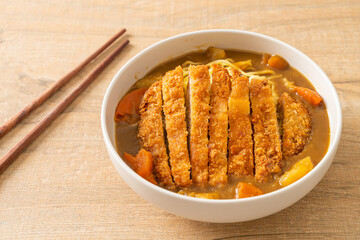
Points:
x=221 y=211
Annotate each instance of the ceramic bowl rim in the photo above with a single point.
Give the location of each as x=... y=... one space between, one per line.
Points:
x=331 y=149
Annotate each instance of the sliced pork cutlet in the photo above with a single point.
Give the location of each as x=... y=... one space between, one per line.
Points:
x=241 y=159
x=175 y=124
x=267 y=150
x=234 y=72
x=151 y=133
x=218 y=126
x=199 y=99
x=296 y=125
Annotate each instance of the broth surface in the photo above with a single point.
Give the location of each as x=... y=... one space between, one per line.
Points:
x=316 y=148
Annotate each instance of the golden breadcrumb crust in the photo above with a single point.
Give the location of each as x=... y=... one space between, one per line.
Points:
x=296 y=125
x=267 y=150
x=241 y=160
x=151 y=133
x=199 y=89
x=175 y=124
x=218 y=126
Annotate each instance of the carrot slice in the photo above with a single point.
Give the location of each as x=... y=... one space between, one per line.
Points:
x=277 y=62
x=127 y=109
x=244 y=190
x=308 y=95
x=142 y=164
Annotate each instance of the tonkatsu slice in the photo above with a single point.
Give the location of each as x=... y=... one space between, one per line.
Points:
x=267 y=149
x=241 y=159
x=234 y=72
x=296 y=125
x=218 y=126
x=199 y=99
x=175 y=124
x=151 y=133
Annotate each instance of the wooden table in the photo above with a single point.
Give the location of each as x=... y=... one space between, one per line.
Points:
x=64 y=185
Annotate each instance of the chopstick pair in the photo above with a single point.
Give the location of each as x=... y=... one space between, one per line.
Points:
x=54 y=113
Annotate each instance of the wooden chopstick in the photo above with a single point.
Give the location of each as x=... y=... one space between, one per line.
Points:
x=14 y=120
x=51 y=116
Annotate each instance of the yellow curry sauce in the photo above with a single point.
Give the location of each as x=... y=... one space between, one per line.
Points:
x=316 y=148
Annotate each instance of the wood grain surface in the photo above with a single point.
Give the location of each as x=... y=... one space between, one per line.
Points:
x=64 y=185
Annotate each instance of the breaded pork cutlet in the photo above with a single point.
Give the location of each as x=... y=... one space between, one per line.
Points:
x=151 y=133
x=199 y=99
x=218 y=126
x=296 y=125
x=241 y=159
x=267 y=150
x=175 y=124
x=234 y=72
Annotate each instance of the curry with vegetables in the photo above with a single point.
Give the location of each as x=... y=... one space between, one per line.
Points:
x=222 y=124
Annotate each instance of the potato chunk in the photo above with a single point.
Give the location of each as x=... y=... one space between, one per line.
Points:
x=216 y=53
x=210 y=195
x=297 y=171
